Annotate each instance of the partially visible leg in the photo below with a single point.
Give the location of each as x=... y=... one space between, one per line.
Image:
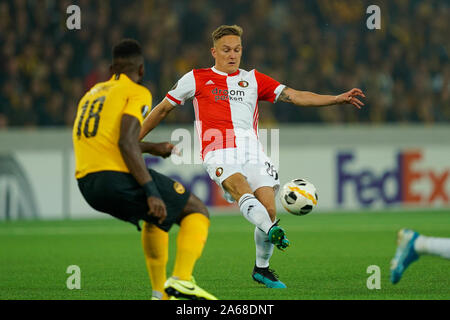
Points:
x=264 y=248
x=260 y=210
x=194 y=225
x=252 y=209
x=410 y=245
x=276 y=234
x=155 y=243
x=432 y=245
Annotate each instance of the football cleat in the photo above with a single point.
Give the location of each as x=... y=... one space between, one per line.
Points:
x=267 y=277
x=186 y=289
x=404 y=255
x=277 y=236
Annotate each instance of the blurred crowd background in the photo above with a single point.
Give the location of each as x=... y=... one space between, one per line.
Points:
x=322 y=46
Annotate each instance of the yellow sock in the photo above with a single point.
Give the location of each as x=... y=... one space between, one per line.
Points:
x=190 y=242
x=155 y=243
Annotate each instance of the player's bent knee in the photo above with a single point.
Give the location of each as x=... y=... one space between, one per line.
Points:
x=202 y=209
x=199 y=207
x=237 y=185
x=194 y=205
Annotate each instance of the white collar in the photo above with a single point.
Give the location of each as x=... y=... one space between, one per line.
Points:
x=224 y=73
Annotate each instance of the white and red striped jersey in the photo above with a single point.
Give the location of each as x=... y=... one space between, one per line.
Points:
x=225 y=105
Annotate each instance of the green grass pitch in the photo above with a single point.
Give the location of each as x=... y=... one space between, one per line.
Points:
x=328 y=258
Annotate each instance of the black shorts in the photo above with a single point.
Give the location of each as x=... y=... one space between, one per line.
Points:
x=119 y=194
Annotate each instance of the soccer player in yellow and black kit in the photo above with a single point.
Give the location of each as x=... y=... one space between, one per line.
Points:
x=113 y=178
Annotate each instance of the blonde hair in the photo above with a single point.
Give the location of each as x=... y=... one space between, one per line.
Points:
x=225 y=30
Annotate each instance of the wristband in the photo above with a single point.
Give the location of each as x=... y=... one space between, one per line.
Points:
x=151 y=190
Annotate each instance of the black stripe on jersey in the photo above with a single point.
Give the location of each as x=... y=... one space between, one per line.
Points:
x=117 y=77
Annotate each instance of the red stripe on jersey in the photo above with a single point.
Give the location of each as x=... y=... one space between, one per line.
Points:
x=173 y=99
x=213 y=111
x=198 y=124
x=255 y=119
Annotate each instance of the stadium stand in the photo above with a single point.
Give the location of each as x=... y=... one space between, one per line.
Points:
x=320 y=46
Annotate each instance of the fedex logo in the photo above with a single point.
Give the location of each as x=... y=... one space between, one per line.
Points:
x=396 y=185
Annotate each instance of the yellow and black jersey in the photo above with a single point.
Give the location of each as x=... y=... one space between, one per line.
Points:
x=96 y=130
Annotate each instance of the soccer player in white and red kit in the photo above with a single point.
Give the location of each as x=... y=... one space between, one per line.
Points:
x=225 y=100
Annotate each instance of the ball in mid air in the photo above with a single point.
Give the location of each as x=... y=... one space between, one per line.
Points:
x=299 y=197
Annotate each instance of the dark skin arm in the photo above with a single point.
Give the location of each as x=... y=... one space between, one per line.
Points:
x=162 y=149
x=131 y=153
x=156 y=116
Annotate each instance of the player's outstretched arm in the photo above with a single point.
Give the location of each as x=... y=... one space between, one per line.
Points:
x=131 y=153
x=155 y=117
x=310 y=99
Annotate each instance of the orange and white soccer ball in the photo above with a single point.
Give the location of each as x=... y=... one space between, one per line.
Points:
x=299 y=197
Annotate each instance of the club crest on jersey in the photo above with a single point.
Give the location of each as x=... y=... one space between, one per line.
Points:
x=178 y=187
x=219 y=171
x=145 y=109
x=243 y=84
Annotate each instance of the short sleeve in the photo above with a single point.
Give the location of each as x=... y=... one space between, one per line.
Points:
x=268 y=88
x=139 y=103
x=183 y=90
